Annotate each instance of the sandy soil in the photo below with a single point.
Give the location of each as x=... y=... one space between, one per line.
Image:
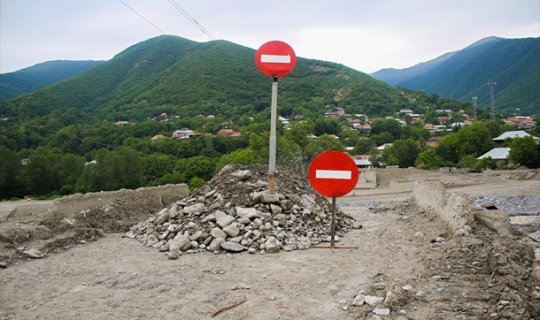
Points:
x=451 y=278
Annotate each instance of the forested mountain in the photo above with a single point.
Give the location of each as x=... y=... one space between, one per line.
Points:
x=29 y=79
x=514 y=64
x=172 y=74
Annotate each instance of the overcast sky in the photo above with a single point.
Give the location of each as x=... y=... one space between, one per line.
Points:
x=366 y=35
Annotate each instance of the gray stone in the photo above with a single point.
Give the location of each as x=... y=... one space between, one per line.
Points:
x=286 y=204
x=3 y=264
x=381 y=311
x=158 y=244
x=244 y=220
x=232 y=246
x=151 y=240
x=356 y=225
x=173 y=255
x=218 y=233
x=236 y=239
x=195 y=209
x=196 y=235
x=358 y=300
x=249 y=213
x=210 y=217
x=225 y=221
x=536 y=273
x=407 y=287
x=231 y=230
x=164 y=247
x=215 y=245
x=183 y=242
x=269 y=198
x=162 y=217
x=275 y=209
x=242 y=174
x=373 y=300
x=218 y=214
x=272 y=245
x=34 y=253
x=252 y=250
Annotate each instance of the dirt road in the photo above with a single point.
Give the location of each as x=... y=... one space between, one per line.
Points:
x=118 y=278
x=430 y=273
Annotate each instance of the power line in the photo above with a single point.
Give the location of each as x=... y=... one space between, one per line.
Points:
x=140 y=15
x=191 y=19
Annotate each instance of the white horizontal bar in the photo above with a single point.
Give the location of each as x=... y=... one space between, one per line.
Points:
x=333 y=174
x=271 y=58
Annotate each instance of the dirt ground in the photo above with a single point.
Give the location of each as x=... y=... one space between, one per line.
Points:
x=431 y=273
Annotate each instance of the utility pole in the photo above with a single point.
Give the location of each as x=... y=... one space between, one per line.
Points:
x=492 y=85
x=475 y=105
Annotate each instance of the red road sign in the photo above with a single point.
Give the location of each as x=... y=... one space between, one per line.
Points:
x=275 y=59
x=333 y=173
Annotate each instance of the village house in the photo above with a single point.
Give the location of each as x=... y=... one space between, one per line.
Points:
x=522 y=122
x=335 y=114
x=406 y=111
x=184 y=133
x=121 y=123
x=228 y=133
x=499 y=141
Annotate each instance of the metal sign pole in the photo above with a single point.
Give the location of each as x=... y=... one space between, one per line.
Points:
x=333 y=228
x=272 y=153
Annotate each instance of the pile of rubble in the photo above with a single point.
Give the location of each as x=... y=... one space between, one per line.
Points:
x=235 y=212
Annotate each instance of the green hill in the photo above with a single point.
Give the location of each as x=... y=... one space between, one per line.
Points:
x=184 y=78
x=33 y=78
x=514 y=64
x=169 y=73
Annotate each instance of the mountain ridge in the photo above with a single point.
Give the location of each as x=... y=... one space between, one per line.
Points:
x=512 y=63
x=13 y=84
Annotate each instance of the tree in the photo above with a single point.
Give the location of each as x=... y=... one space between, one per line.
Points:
x=474 y=140
x=43 y=172
x=9 y=164
x=326 y=126
x=299 y=133
x=121 y=168
x=525 y=152
x=199 y=166
x=156 y=166
x=405 y=151
x=389 y=126
x=363 y=146
x=429 y=159
x=323 y=143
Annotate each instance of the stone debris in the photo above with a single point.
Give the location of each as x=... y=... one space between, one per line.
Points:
x=234 y=212
x=513 y=205
x=381 y=311
x=34 y=254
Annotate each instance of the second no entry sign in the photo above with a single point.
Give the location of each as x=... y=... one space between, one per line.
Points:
x=333 y=173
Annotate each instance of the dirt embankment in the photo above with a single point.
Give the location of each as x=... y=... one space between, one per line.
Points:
x=32 y=229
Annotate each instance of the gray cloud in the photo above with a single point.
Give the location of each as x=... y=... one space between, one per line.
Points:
x=365 y=35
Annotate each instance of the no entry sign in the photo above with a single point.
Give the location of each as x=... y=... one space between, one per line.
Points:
x=275 y=59
x=333 y=174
